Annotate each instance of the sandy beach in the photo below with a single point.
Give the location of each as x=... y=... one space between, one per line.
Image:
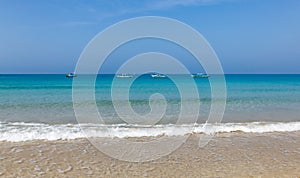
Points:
x=109 y=89
x=227 y=155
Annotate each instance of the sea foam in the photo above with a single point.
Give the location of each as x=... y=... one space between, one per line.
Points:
x=19 y=131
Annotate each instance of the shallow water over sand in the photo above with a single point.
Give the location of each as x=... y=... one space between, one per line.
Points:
x=274 y=154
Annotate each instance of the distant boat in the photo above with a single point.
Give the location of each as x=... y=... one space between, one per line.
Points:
x=158 y=76
x=124 y=76
x=71 y=75
x=200 y=75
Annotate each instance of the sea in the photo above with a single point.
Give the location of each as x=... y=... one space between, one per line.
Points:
x=40 y=107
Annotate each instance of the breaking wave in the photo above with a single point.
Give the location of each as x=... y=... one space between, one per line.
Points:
x=19 y=131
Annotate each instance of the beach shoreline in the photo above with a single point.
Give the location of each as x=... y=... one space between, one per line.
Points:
x=237 y=154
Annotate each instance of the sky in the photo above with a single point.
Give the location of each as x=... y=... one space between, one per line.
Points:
x=249 y=36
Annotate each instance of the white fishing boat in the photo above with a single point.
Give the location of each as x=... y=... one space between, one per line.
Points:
x=158 y=76
x=124 y=76
x=71 y=75
x=200 y=75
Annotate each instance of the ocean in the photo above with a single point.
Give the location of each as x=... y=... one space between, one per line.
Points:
x=35 y=107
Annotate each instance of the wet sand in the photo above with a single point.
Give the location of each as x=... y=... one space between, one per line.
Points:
x=226 y=155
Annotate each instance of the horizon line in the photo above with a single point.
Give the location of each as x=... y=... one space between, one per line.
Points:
x=150 y=73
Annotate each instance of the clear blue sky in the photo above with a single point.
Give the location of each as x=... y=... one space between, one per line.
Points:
x=249 y=36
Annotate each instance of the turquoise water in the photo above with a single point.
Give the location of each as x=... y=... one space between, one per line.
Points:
x=35 y=107
x=48 y=98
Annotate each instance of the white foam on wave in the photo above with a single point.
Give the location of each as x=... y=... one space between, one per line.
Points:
x=16 y=132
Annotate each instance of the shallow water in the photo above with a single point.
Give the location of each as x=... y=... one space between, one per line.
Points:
x=47 y=100
x=226 y=155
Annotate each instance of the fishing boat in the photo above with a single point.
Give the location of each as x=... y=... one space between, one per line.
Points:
x=200 y=75
x=158 y=76
x=124 y=76
x=71 y=75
